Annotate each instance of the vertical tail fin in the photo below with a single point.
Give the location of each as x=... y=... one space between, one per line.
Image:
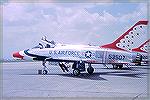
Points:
x=143 y=47
x=126 y=41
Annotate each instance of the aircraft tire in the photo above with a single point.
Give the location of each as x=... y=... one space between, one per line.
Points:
x=39 y=72
x=90 y=70
x=76 y=72
x=115 y=66
x=120 y=66
x=138 y=64
x=45 y=72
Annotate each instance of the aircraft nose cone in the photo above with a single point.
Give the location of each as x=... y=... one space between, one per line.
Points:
x=17 y=55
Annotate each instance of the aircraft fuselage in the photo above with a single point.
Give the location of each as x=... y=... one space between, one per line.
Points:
x=74 y=53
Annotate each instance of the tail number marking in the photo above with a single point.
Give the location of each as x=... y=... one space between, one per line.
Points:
x=116 y=57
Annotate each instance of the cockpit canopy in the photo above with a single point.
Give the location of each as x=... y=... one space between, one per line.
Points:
x=38 y=46
x=45 y=44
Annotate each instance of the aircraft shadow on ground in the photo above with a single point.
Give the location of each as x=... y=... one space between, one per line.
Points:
x=98 y=75
x=94 y=76
x=132 y=72
x=125 y=74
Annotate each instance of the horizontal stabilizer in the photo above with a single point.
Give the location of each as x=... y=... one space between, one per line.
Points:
x=143 y=47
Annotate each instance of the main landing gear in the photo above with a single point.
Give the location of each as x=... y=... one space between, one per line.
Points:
x=77 y=67
x=43 y=71
x=138 y=60
x=90 y=69
x=80 y=66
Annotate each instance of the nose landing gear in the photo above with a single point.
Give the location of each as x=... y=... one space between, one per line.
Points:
x=43 y=71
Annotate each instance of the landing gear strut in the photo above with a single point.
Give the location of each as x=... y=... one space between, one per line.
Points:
x=138 y=59
x=43 y=71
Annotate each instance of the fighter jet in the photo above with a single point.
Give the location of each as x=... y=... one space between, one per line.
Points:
x=117 y=53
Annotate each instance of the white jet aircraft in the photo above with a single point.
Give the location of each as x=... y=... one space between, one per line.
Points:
x=141 y=53
x=117 y=53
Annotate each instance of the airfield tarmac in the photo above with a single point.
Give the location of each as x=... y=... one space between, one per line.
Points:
x=20 y=79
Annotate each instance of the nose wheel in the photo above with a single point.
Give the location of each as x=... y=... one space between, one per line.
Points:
x=43 y=71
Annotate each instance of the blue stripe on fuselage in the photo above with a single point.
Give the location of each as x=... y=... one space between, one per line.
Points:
x=33 y=55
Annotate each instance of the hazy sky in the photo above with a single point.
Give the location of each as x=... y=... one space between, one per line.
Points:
x=74 y=23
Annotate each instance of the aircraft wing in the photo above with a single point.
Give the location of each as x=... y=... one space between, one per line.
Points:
x=63 y=59
x=70 y=59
